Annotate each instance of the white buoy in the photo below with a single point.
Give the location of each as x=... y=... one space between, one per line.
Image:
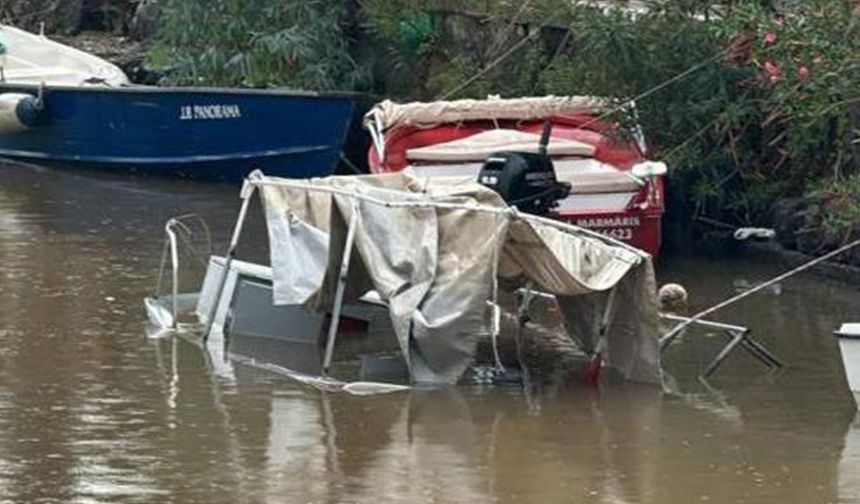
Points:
x=18 y=112
x=746 y=233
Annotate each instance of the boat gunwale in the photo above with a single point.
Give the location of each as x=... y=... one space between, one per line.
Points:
x=156 y=160
x=279 y=92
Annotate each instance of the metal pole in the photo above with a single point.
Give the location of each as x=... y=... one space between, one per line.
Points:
x=737 y=337
x=670 y=336
x=341 y=289
x=246 y=194
x=523 y=318
x=495 y=330
x=702 y=322
x=761 y=352
x=606 y=319
x=174 y=261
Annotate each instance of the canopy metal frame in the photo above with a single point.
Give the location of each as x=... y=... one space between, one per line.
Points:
x=737 y=336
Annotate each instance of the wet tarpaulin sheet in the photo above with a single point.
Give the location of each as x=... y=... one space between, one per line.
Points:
x=437 y=266
x=389 y=114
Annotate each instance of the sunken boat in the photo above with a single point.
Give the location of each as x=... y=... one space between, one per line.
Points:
x=423 y=262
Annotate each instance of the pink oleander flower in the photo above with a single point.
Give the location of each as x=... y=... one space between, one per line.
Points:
x=769 y=37
x=802 y=73
x=772 y=71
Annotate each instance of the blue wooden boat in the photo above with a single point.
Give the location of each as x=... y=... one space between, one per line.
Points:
x=199 y=133
x=63 y=107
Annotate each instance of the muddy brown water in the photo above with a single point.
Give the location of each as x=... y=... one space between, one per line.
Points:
x=93 y=411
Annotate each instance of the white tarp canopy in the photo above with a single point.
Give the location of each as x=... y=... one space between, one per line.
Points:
x=388 y=114
x=434 y=250
x=27 y=58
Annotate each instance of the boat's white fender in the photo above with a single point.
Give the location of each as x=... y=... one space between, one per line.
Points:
x=18 y=112
x=746 y=233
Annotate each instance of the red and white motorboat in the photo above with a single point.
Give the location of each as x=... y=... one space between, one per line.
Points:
x=615 y=189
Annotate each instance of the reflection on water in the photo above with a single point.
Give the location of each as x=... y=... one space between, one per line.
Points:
x=92 y=411
x=849 y=465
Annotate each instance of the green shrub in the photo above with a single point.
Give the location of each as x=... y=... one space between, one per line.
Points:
x=840 y=203
x=255 y=43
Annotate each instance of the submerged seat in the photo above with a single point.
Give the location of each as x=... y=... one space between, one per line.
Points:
x=481 y=145
x=588 y=176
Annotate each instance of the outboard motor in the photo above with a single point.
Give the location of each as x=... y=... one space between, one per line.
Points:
x=525 y=180
x=18 y=112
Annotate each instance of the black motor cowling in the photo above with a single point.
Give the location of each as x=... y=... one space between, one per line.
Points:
x=525 y=180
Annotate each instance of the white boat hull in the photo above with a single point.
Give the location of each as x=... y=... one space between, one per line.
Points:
x=849 y=346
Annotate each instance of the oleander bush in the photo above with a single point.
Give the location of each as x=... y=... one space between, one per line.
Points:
x=748 y=105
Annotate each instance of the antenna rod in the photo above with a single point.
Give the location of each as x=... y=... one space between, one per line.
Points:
x=544 y=137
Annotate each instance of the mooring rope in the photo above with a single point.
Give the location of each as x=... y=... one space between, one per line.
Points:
x=667 y=338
